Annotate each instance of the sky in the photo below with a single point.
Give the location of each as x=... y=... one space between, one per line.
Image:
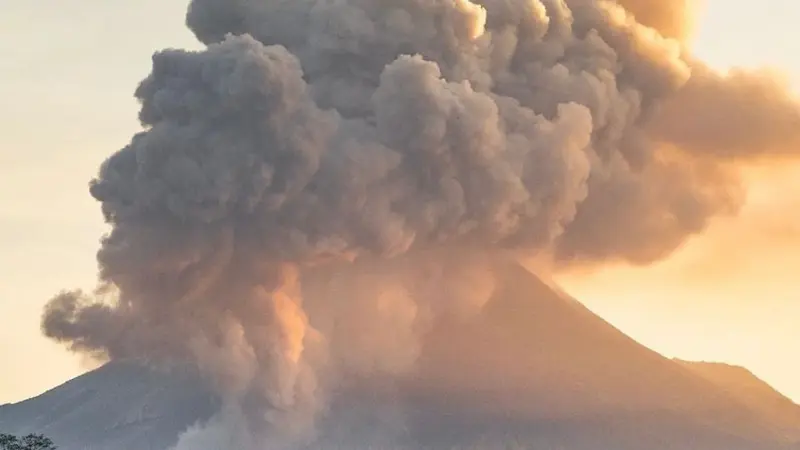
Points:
x=728 y=295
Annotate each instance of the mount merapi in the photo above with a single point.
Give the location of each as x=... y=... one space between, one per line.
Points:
x=535 y=370
x=315 y=227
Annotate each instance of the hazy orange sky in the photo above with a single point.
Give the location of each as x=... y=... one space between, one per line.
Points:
x=729 y=295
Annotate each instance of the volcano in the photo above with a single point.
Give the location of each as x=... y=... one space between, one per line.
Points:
x=534 y=370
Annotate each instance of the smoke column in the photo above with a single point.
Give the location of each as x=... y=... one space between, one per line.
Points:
x=394 y=148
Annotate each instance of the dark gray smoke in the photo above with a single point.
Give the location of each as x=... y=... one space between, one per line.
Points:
x=315 y=131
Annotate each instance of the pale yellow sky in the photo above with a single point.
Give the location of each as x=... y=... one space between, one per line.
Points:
x=67 y=103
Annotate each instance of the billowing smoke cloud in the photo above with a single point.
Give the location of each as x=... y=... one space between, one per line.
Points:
x=389 y=134
x=743 y=115
x=672 y=19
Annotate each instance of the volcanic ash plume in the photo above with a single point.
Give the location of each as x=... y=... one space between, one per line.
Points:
x=371 y=155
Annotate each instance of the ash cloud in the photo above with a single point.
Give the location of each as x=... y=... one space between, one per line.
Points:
x=742 y=115
x=672 y=19
x=314 y=146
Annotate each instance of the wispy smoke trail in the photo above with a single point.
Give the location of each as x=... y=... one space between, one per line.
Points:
x=391 y=132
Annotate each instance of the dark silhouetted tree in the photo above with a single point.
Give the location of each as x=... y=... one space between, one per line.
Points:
x=29 y=442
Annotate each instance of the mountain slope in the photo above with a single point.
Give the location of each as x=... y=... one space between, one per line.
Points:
x=534 y=370
x=118 y=406
x=752 y=391
x=533 y=354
